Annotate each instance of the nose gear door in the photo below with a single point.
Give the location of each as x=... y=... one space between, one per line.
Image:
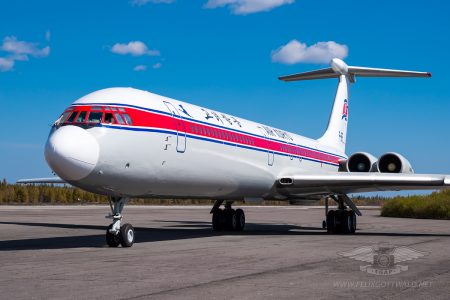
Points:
x=179 y=125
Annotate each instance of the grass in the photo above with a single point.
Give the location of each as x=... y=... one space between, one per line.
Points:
x=433 y=206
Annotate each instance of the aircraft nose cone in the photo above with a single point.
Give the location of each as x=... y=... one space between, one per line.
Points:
x=72 y=152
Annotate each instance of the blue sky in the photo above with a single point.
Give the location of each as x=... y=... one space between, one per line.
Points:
x=222 y=54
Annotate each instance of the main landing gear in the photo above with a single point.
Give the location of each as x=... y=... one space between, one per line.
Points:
x=228 y=218
x=117 y=233
x=342 y=220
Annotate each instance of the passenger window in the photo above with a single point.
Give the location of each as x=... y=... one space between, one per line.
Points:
x=113 y=109
x=109 y=118
x=95 y=117
x=72 y=117
x=106 y=108
x=96 y=108
x=119 y=118
x=127 y=119
x=121 y=109
x=81 y=117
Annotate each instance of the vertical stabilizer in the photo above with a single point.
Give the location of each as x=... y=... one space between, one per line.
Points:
x=336 y=134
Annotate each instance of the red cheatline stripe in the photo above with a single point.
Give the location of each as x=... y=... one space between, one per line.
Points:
x=143 y=118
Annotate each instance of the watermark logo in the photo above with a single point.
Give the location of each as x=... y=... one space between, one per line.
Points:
x=383 y=259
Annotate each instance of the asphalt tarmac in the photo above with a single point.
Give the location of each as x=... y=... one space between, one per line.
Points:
x=59 y=252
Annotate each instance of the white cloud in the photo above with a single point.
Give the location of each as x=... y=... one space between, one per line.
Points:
x=6 y=64
x=157 y=65
x=135 y=48
x=21 y=48
x=140 y=68
x=19 y=51
x=243 y=7
x=298 y=52
x=143 y=2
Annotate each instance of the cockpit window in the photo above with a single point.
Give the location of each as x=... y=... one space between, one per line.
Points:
x=109 y=118
x=90 y=116
x=127 y=119
x=64 y=117
x=81 y=117
x=119 y=118
x=95 y=117
x=72 y=117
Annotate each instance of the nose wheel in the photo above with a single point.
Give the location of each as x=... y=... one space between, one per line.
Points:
x=117 y=233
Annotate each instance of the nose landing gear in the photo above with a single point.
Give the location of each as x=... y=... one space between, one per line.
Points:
x=117 y=233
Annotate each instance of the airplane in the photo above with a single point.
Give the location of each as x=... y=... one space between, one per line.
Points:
x=125 y=142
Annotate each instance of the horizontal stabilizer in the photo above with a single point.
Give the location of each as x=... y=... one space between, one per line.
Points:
x=338 y=68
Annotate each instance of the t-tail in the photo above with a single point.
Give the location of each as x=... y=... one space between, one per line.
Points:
x=336 y=134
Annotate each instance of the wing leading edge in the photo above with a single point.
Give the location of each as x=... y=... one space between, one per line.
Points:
x=41 y=180
x=343 y=183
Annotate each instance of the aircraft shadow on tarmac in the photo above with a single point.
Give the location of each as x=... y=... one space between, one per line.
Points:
x=176 y=230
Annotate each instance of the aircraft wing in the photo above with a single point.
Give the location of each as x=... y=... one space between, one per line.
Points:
x=302 y=185
x=41 y=180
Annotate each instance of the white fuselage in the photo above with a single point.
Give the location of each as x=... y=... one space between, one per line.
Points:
x=175 y=149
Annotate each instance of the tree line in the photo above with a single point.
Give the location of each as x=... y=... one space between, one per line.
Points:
x=35 y=194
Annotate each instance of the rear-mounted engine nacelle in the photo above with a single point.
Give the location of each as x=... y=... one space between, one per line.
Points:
x=361 y=162
x=394 y=163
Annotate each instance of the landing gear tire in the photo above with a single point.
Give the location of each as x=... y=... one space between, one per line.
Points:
x=331 y=222
x=346 y=222
x=230 y=219
x=353 y=220
x=126 y=235
x=218 y=220
x=341 y=221
x=240 y=219
x=112 y=240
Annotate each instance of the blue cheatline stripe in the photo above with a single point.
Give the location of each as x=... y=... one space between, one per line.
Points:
x=215 y=141
x=209 y=124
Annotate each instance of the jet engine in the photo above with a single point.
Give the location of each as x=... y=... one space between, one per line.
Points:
x=361 y=162
x=393 y=163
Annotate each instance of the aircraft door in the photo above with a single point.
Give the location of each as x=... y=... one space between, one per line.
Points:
x=270 y=153
x=179 y=125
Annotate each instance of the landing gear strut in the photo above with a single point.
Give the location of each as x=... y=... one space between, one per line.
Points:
x=117 y=233
x=342 y=220
x=227 y=218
